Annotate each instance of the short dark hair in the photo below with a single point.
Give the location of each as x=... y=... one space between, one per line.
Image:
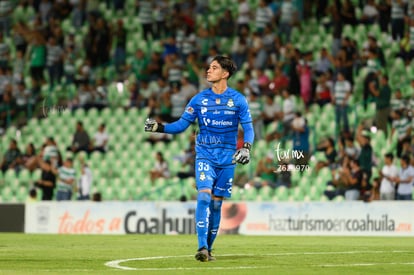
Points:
x=405 y=158
x=389 y=155
x=226 y=63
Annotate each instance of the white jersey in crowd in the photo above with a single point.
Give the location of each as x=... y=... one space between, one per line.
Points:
x=388 y=186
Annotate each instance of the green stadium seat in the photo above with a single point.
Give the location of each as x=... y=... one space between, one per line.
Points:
x=25 y=177
x=9 y=176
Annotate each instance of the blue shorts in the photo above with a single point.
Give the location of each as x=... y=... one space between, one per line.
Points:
x=218 y=180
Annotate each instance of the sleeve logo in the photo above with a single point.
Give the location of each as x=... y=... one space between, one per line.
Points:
x=190 y=110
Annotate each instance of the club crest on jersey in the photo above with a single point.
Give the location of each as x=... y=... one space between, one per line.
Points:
x=230 y=103
x=190 y=110
x=218 y=101
x=202 y=176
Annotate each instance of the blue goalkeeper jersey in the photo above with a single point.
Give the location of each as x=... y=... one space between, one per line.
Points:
x=219 y=116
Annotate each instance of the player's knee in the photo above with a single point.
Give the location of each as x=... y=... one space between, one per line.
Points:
x=217 y=205
x=204 y=198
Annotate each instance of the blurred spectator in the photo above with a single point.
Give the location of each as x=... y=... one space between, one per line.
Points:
x=51 y=152
x=154 y=66
x=7 y=108
x=397 y=102
x=280 y=81
x=54 y=62
x=97 y=197
x=188 y=160
x=288 y=18
x=284 y=175
x=80 y=141
x=66 y=180
x=300 y=137
x=173 y=68
x=29 y=158
x=354 y=178
x=160 y=169
x=187 y=90
x=328 y=147
x=12 y=158
x=23 y=97
x=226 y=25
x=305 y=76
x=265 y=169
x=32 y=195
x=323 y=63
x=264 y=16
x=18 y=66
x=341 y=93
x=405 y=179
x=79 y=15
x=256 y=110
x=366 y=155
x=347 y=148
x=161 y=16
x=388 y=174
x=402 y=128
x=348 y=13
x=47 y=181
x=384 y=10
x=139 y=65
x=382 y=96
x=4 y=53
x=323 y=90
x=288 y=110
x=6 y=10
x=369 y=13
x=120 y=36
x=37 y=53
x=397 y=19
x=240 y=49
x=146 y=18
x=338 y=185
x=244 y=15
x=178 y=101
x=100 y=140
x=84 y=182
x=271 y=110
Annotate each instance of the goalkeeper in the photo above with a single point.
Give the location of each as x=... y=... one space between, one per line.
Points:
x=219 y=110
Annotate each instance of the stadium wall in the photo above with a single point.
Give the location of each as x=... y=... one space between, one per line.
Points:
x=248 y=218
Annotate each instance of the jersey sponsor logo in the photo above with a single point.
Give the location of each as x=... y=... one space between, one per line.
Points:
x=206 y=121
x=204 y=101
x=190 y=110
x=230 y=103
x=203 y=110
x=216 y=112
x=229 y=112
x=222 y=123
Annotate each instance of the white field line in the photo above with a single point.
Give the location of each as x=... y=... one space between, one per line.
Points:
x=117 y=263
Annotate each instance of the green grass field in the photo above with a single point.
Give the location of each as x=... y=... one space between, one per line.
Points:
x=156 y=254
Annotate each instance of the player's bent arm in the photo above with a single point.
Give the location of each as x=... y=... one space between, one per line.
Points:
x=248 y=132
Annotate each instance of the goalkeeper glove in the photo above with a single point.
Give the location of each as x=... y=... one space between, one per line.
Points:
x=243 y=154
x=151 y=125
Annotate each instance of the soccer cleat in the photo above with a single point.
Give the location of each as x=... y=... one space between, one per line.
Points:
x=202 y=255
x=211 y=257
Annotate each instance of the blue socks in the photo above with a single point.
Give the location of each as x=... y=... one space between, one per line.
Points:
x=214 y=222
x=202 y=218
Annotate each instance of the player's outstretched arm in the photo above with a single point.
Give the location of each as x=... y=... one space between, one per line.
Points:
x=151 y=125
